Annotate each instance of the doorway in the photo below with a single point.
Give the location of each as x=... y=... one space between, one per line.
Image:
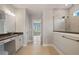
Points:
x=36 y=32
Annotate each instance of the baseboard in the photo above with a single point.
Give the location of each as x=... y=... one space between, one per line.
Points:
x=29 y=41
x=59 y=51
x=47 y=45
x=52 y=45
x=24 y=45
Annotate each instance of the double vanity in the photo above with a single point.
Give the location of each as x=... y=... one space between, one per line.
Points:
x=10 y=43
x=67 y=42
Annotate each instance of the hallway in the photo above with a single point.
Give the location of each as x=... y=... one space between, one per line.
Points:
x=37 y=50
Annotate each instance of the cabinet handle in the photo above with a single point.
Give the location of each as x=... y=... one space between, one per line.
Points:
x=70 y=39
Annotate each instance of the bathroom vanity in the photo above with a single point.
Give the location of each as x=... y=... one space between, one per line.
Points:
x=10 y=43
x=67 y=42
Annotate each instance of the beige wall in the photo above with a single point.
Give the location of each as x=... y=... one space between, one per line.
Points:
x=20 y=20
x=47 y=23
x=22 y=23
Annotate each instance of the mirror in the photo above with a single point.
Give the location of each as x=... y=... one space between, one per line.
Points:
x=2 y=19
x=67 y=20
x=7 y=22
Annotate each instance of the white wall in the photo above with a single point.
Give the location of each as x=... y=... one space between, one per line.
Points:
x=30 y=30
x=27 y=26
x=47 y=23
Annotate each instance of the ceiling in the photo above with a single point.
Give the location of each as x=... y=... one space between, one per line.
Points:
x=42 y=6
x=38 y=8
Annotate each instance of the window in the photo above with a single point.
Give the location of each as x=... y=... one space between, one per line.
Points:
x=36 y=25
x=76 y=13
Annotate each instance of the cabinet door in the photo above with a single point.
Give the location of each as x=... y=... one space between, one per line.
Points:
x=1 y=47
x=21 y=37
x=70 y=46
x=65 y=45
x=17 y=43
x=20 y=41
x=58 y=40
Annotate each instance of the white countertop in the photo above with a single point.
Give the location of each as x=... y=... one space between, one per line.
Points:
x=69 y=35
